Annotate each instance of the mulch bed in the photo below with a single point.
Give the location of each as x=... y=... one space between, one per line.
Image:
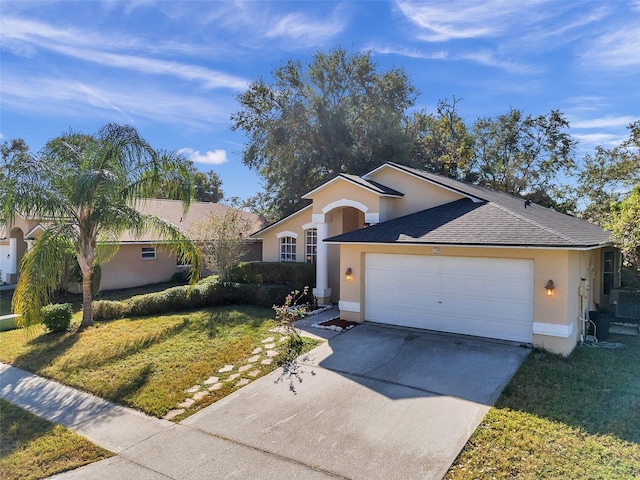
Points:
x=337 y=322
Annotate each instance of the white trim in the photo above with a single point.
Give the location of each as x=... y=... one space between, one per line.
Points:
x=287 y=233
x=349 y=306
x=337 y=178
x=553 y=329
x=317 y=217
x=470 y=245
x=32 y=232
x=372 y=217
x=309 y=225
x=345 y=203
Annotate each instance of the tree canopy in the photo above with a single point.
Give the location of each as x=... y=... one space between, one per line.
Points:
x=337 y=114
x=522 y=154
x=207 y=187
x=86 y=188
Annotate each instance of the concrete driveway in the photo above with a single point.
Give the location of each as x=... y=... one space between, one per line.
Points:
x=375 y=402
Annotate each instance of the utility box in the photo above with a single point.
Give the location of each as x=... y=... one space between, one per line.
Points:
x=626 y=303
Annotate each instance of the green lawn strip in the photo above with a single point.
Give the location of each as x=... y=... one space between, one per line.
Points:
x=31 y=447
x=146 y=363
x=567 y=418
x=5 y=301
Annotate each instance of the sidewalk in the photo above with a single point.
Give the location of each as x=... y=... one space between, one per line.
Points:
x=106 y=424
x=147 y=447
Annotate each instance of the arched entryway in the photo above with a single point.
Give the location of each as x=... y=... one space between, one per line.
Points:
x=337 y=217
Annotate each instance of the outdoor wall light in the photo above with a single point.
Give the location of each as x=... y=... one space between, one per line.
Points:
x=349 y=273
x=549 y=288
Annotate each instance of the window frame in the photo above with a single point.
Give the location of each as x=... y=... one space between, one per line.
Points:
x=311 y=248
x=288 y=243
x=147 y=252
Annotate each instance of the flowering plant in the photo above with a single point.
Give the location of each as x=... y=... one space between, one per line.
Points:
x=290 y=311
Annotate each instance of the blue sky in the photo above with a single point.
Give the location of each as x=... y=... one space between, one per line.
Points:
x=173 y=68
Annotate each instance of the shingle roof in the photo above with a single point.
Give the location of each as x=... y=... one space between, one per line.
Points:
x=499 y=219
x=371 y=185
x=172 y=211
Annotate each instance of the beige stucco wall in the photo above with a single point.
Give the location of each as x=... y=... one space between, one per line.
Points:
x=271 y=243
x=418 y=194
x=343 y=190
x=128 y=269
x=565 y=268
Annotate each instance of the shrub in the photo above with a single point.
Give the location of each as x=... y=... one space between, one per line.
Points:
x=109 y=310
x=208 y=293
x=292 y=274
x=57 y=317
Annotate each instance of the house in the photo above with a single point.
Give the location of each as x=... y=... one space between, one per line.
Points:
x=406 y=247
x=138 y=261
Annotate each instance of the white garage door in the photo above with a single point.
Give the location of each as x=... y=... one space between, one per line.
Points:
x=485 y=297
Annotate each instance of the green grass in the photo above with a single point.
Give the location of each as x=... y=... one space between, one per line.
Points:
x=146 y=363
x=33 y=448
x=5 y=302
x=569 y=418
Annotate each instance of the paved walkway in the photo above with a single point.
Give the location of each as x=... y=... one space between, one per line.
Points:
x=116 y=428
x=106 y=424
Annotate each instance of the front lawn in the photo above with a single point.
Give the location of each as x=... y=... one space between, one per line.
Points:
x=569 y=418
x=149 y=363
x=33 y=448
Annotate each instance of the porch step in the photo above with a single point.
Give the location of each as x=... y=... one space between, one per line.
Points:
x=632 y=329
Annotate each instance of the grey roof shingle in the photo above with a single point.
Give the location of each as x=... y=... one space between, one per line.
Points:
x=499 y=219
x=371 y=185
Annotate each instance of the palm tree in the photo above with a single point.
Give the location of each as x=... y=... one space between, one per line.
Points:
x=85 y=189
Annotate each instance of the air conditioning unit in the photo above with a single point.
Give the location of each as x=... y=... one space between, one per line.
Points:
x=626 y=303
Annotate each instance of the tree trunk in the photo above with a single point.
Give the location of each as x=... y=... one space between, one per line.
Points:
x=87 y=315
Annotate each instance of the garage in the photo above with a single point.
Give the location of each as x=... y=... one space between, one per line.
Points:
x=486 y=297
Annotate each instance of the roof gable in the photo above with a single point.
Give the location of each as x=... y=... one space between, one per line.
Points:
x=360 y=182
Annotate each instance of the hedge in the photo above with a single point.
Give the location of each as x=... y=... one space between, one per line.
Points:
x=206 y=293
x=293 y=274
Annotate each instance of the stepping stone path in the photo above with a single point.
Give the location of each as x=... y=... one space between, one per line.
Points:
x=213 y=383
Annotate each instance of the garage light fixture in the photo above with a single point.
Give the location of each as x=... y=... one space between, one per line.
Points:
x=549 y=287
x=349 y=273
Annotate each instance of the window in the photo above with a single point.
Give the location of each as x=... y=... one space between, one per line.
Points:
x=311 y=245
x=148 y=253
x=287 y=249
x=181 y=261
x=608 y=272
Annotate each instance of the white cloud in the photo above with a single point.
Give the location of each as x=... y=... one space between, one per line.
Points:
x=601 y=139
x=211 y=157
x=618 y=49
x=605 y=122
x=301 y=27
x=45 y=95
x=25 y=37
x=444 y=21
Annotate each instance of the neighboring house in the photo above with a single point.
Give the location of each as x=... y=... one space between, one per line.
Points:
x=138 y=261
x=405 y=247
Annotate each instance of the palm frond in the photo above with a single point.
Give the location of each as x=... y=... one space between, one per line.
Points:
x=40 y=272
